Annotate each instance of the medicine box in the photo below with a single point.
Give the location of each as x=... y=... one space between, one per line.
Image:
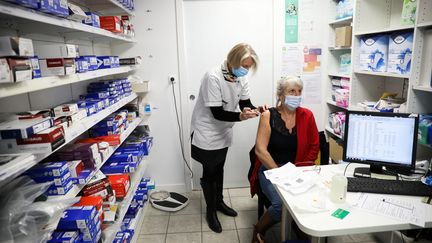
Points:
x=343 y=36
x=77 y=217
x=16 y=46
x=55 y=190
x=57 y=51
x=26 y=3
x=373 y=53
x=92 y=19
x=61 y=8
x=82 y=178
x=36 y=72
x=15 y=70
x=82 y=65
x=51 y=169
x=24 y=128
x=111 y=23
x=91 y=60
x=54 y=67
x=64 y=236
x=49 y=135
x=47 y=6
x=66 y=109
x=76 y=13
x=103 y=62
x=75 y=167
x=400 y=53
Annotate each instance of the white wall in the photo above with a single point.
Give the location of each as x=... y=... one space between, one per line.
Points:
x=157 y=44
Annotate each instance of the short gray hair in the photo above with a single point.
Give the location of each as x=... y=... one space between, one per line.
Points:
x=240 y=52
x=285 y=82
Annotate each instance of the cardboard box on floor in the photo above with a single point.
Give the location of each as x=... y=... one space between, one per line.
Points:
x=336 y=150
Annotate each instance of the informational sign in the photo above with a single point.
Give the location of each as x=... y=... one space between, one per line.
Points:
x=291 y=21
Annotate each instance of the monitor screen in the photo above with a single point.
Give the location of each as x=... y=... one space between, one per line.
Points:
x=381 y=139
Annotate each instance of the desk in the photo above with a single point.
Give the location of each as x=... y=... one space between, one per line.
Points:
x=322 y=224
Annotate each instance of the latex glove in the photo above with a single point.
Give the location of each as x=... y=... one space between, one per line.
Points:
x=248 y=113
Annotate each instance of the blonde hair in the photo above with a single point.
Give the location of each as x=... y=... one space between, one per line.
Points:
x=240 y=52
x=285 y=82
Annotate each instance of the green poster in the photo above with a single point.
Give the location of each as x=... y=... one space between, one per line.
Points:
x=291 y=21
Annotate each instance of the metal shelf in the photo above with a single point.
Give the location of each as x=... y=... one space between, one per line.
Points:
x=333 y=103
x=383 y=74
x=40 y=21
x=423 y=88
x=32 y=85
x=340 y=75
x=342 y=21
x=385 y=30
x=109 y=7
x=75 y=131
x=135 y=178
x=330 y=130
x=77 y=188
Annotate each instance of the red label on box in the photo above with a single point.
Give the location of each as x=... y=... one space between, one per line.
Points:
x=55 y=62
x=48 y=136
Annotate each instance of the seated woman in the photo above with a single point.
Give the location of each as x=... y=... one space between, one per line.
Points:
x=286 y=133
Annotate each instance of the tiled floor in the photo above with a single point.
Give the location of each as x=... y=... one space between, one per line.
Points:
x=189 y=225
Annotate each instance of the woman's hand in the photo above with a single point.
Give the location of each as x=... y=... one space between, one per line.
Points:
x=248 y=113
x=262 y=108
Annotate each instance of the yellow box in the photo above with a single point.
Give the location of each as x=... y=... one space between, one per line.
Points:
x=336 y=150
x=343 y=36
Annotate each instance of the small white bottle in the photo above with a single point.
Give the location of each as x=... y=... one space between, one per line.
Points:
x=338 y=189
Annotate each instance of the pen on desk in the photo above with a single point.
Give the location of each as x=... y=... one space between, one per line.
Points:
x=397 y=205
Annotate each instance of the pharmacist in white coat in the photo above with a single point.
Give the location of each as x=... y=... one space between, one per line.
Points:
x=223 y=89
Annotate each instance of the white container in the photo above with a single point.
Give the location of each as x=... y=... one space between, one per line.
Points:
x=338 y=189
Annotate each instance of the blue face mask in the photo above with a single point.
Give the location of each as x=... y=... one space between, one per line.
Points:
x=292 y=102
x=240 y=72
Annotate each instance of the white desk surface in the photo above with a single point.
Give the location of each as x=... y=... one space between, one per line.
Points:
x=358 y=221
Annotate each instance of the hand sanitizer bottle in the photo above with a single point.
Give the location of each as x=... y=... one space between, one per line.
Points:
x=338 y=189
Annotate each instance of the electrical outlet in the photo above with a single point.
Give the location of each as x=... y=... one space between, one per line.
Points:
x=172 y=79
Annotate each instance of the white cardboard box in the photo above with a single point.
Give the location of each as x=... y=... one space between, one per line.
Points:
x=57 y=51
x=400 y=53
x=16 y=46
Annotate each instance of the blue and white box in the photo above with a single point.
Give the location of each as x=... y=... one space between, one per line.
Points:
x=400 y=53
x=104 y=62
x=52 y=169
x=82 y=65
x=61 y=8
x=77 y=217
x=46 y=6
x=24 y=128
x=92 y=19
x=91 y=60
x=26 y=3
x=374 y=53
x=64 y=236
x=54 y=190
x=36 y=72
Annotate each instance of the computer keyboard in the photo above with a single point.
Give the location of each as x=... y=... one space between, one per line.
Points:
x=371 y=185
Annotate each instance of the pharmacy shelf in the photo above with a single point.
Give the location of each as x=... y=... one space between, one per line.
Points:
x=18 y=13
x=139 y=221
x=77 y=188
x=385 y=30
x=424 y=25
x=134 y=179
x=342 y=21
x=330 y=130
x=383 y=74
x=75 y=131
x=423 y=88
x=332 y=48
x=340 y=75
x=108 y=7
x=333 y=103
x=32 y=85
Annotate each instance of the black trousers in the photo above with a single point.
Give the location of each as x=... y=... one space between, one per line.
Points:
x=213 y=162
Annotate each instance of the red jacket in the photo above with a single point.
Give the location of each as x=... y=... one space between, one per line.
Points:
x=307 y=146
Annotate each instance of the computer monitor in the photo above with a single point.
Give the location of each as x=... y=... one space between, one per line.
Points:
x=381 y=139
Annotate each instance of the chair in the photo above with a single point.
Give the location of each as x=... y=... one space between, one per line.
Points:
x=323 y=158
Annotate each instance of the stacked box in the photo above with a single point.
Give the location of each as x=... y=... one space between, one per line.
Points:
x=400 y=52
x=120 y=184
x=86 y=219
x=103 y=62
x=373 y=53
x=24 y=128
x=82 y=65
x=91 y=61
x=65 y=236
x=57 y=172
x=96 y=201
x=115 y=168
x=83 y=177
x=92 y=19
x=100 y=186
x=88 y=153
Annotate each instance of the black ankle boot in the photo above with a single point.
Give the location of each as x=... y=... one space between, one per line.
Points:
x=210 y=198
x=223 y=208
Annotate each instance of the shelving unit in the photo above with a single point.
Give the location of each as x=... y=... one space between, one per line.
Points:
x=32 y=85
x=384 y=17
x=32 y=20
x=48 y=92
x=334 y=56
x=77 y=188
x=135 y=178
x=76 y=130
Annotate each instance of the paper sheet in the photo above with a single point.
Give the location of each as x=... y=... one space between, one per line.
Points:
x=404 y=211
x=292 y=179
